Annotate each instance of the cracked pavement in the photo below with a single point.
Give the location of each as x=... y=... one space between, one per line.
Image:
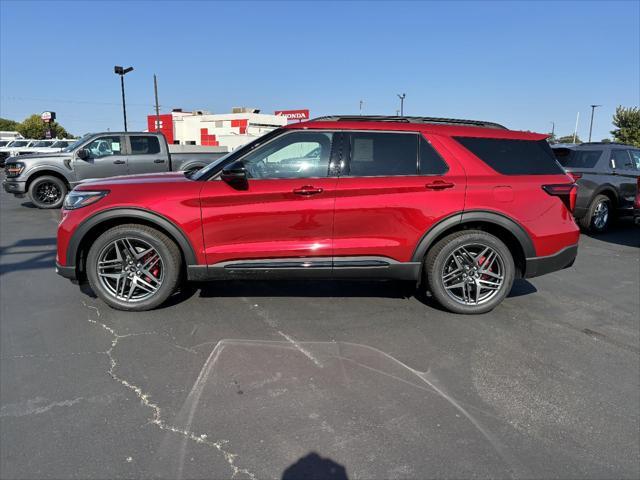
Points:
x=252 y=380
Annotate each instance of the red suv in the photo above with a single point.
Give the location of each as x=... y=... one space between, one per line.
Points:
x=460 y=207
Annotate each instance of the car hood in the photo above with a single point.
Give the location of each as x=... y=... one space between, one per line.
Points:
x=129 y=180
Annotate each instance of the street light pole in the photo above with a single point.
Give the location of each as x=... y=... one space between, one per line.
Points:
x=118 y=70
x=402 y=97
x=593 y=108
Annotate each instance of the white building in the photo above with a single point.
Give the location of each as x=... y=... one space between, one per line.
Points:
x=229 y=130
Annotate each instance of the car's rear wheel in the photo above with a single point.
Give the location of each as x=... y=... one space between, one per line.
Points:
x=598 y=217
x=470 y=271
x=47 y=192
x=133 y=267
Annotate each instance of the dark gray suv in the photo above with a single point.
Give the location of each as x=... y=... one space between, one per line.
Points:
x=607 y=176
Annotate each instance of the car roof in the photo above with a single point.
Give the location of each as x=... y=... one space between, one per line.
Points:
x=596 y=145
x=444 y=126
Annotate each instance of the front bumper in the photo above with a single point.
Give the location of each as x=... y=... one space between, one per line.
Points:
x=66 y=272
x=15 y=187
x=537 y=266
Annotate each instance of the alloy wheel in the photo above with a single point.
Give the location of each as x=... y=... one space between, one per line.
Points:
x=601 y=215
x=473 y=274
x=130 y=269
x=48 y=193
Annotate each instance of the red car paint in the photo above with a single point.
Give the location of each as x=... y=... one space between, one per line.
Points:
x=367 y=216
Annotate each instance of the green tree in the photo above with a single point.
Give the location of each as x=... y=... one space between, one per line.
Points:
x=627 y=121
x=606 y=140
x=8 y=125
x=34 y=127
x=568 y=139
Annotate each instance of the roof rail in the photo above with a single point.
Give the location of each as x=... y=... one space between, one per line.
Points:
x=430 y=120
x=606 y=143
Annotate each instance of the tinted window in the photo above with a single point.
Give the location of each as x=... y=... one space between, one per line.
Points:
x=577 y=158
x=514 y=157
x=104 y=147
x=431 y=163
x=383 y=154
x=144 y=145
x=622 y=159
x=295 y=155
x=635 y=156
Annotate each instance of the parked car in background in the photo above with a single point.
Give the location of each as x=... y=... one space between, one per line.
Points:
x=47 y=177
x=636 y=204
x=48 y=146
x=14 y=148
x=460 y=207
x=606 y=174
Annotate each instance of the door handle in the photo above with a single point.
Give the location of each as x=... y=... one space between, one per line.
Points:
x=158 y=160
x=439 y=185
x=119 y=162
x=307 y=190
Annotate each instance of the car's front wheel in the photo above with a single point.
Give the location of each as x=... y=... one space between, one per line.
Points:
x=47 y=192
x=470 y=271
x=133 y=267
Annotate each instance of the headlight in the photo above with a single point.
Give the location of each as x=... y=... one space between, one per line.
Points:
x=14 y=169
x=82 y=198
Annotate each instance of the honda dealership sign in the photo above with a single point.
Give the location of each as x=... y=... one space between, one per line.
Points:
x=294 y=114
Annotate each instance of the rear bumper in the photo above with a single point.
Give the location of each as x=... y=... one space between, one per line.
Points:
x=537 y=266
x=66 y=272
x=11 y=186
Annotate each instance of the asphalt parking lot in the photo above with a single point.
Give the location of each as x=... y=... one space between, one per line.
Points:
x=345 y=380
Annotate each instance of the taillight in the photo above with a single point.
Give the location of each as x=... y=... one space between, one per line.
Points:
x=575 y=176
x=636 y=203
x=566 y=191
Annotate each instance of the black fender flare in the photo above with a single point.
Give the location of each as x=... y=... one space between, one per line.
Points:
x=135 y=213
x=609 y=188
x=471 y=217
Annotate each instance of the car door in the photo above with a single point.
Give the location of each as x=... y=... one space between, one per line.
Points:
x=284 y=218
x=393 y=188
x=626 y=175
x=145 y=155
x=106 y=158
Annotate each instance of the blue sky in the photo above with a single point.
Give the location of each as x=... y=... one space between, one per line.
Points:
x=522 y=64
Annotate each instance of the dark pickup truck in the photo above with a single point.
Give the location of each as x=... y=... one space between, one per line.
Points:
x=47 y=177
x=607 y=177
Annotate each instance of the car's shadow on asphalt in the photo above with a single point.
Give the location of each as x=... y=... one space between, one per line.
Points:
x=38 y=250
x=317 y=289
x=623 y=232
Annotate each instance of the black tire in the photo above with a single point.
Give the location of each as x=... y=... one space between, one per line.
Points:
x=169 y=254
x=590 y=222
x=47 y=192
x=437 y=259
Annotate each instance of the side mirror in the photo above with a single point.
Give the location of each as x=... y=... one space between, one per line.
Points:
x=235 y=175
x=83 y=154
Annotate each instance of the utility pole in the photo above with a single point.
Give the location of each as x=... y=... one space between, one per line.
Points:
x=575 y=131
x=118 y=70
x=553 y=129
x=361 y=103
x=593 y=108
x=402 y=97
x=155 y=91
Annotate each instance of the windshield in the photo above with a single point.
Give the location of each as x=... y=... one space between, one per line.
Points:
x=77 y=143
x=213 y=168
x=3 y=143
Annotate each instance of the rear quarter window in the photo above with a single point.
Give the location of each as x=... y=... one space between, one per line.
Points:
x=514 y=157
x=570 y=158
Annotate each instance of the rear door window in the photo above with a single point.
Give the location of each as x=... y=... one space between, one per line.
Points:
x=635 y=156
x=144 y=145
x=514 y=157
x=431 y=163
x=622 y=159
x=378 y=154
x=579 y=159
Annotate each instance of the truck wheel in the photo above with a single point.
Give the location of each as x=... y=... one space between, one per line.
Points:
x=470 y=272
x=47 y=192
x=598 y=216
x=133 y=267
